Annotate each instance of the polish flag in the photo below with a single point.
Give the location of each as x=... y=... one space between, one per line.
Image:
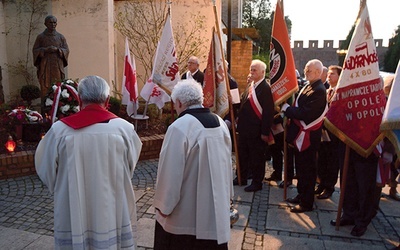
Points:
x=129 y=83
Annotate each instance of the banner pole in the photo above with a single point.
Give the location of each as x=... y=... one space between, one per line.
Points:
x=342 y=186
x=285 y=157
x=229 y=95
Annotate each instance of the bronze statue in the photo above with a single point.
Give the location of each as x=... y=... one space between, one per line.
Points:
x=50 y=55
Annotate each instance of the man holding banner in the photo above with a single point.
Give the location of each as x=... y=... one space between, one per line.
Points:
x=304 y=133
x=354 y=116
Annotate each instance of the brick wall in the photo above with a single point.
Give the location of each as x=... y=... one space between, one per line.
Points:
x=151 y=147
x=241 y=56
x=18 y=164
x=22 y=163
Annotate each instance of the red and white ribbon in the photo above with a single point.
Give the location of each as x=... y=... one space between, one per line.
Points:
x=57 y=94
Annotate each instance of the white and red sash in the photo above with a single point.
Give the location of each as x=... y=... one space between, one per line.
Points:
x=302 y=140
x=255 y=104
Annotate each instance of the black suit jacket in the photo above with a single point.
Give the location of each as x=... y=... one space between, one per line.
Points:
x=199 y=77
x=248 y=122
x=311 y=105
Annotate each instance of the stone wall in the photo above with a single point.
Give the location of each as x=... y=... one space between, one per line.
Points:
x=327 y=53
x=22 y=163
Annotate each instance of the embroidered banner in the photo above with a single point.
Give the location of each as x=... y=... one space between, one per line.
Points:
x=358 y=104
x=282 y=68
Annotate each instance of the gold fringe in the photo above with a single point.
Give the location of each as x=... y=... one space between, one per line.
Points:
x=352 y=144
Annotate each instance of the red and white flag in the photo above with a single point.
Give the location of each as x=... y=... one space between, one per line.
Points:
x=209 y=79
x=390 y=125
x=357 y=106
x=165 y=74
x=282 y=68
x=129 y=83
x=215 y=87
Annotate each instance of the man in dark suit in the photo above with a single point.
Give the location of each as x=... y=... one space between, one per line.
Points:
x=304 y=134
x=193 y=71
x=254 y=127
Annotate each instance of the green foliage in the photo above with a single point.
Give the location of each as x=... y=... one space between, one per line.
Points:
x=345 y=45
x=29 y=93
x=257 y=14
x=392 y=56
x=114 y=105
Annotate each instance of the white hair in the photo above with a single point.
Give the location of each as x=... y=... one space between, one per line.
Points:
x=188 y=91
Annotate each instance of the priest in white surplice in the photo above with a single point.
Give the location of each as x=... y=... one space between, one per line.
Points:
x=87 y=160
x=194 y=178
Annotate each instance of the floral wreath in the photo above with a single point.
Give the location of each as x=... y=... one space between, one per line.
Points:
x=63 y=99
x=24 y=115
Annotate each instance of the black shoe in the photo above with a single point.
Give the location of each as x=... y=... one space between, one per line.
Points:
x=253 y=188
x=288 y=183
x=295 y=200
x=343 y=222
x=299 y=209
x=325 y=195
x=358 y=231
x=236 y=182
x=272 y=178
x=319 y=190
x=394 y=195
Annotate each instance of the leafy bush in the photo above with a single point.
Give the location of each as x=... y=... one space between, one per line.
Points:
x=29 y=93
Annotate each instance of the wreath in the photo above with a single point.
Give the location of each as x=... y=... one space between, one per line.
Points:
x=23 y=115
x=62 y=99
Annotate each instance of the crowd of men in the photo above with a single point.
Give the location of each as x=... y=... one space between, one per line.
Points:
x=88 y=159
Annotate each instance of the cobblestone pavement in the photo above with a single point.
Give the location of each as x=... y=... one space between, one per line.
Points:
x=265 y=223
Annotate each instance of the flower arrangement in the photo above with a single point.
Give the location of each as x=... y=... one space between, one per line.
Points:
x=24 y=115
x=62 y=99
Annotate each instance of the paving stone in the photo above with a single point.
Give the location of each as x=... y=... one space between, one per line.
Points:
x=265 y=222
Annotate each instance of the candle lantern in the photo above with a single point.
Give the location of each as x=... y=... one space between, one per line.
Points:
x=10 y=145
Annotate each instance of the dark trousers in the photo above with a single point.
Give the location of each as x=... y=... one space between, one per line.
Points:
x=276 y=151
x=359 y=202
x=251 y=158
x=290 y=163
x=328 y=165
x=164 y=240
x=306 y=171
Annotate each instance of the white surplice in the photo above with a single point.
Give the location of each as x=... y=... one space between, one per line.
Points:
x=89 y=171
x=194 y=180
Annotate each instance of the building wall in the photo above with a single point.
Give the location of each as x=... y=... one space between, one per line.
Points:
x=327 y=53
x=236 y=14
x=3 y=55
x=88 y=26
x=241 y=57
x=179 y=15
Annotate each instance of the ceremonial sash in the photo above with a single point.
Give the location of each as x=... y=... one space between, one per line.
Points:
x=256 y=106
x=302 y=140
x=383 y=169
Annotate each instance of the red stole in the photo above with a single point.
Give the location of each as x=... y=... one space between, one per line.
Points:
x=90 y=115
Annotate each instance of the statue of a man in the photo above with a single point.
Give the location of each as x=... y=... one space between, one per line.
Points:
x=50 y=55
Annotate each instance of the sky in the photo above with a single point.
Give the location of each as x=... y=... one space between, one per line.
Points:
x=333 y=19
